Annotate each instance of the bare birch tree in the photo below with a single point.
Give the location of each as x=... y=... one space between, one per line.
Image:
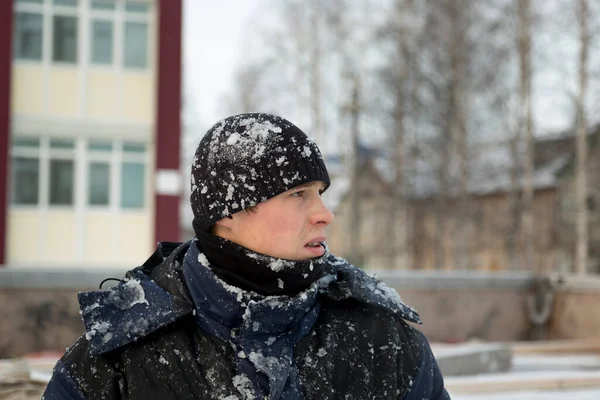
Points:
x=581 y=254
x=401 y=32
x=354 y=108
x=315 y=71
x=458 y=59
x=526 y=125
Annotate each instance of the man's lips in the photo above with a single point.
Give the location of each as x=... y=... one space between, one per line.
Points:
x=316 y=246
x=316 y=241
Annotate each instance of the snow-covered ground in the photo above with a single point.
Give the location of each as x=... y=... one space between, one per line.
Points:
x=592 y=394
x=569 y=376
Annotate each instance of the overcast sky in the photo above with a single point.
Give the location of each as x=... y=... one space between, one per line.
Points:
x=213 y=44
x=212 y=38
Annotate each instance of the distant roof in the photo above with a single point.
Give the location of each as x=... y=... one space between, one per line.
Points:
x=490 y=167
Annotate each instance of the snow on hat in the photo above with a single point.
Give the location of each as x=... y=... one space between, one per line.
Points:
x=248 y=158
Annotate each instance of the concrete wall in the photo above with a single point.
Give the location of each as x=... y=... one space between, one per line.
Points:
x=39 y=311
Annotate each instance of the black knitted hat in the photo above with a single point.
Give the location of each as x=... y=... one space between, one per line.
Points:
x=248 y=158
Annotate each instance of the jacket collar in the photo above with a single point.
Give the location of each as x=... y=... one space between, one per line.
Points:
x=156 y=294
x=230 y=313
x=147 y=300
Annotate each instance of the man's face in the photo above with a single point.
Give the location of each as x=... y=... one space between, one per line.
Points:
x=290 y=225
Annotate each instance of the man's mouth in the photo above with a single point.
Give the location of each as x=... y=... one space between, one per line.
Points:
x=314 y=244
x=317 y=246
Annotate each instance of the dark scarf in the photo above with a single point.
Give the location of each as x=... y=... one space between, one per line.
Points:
x=263 y=330
x=250 y=271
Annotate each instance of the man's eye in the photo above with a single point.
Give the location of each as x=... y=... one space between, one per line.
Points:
x=298 y=193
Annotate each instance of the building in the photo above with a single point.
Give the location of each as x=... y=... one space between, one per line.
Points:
x=421 y=242
x=90 y=130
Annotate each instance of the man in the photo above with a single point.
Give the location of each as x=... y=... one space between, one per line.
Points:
x=254 y=307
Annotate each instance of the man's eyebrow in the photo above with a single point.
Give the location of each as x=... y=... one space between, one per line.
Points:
x=311 y=184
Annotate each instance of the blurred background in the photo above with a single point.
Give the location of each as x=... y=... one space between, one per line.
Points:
x=462 y=138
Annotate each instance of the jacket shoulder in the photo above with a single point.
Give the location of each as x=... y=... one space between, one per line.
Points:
x=151 y=296
x=95 y=377
x=351 y=282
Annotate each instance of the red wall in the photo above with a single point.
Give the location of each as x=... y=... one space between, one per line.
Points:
x=6 y=15
x=168 y=124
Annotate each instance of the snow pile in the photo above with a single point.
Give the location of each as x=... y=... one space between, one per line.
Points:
x=130 y=294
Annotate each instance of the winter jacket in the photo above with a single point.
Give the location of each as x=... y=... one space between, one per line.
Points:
x=173 y=330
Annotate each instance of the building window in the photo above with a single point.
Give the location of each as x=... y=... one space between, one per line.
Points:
x=61 y=172
x=43 y=172
x=132 y=185
x=99 y=184
x=133 y=175
x=65 y=2
x=61 y=182
x=25 y=171
x=136 y=7
x=118 y=31
x=103 y=5
x=102 y=42
x=27 y=40
x=25 y=181
x=64 y=46
x=136 y=45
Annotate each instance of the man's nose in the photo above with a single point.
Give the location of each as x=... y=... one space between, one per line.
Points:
x=321 y=214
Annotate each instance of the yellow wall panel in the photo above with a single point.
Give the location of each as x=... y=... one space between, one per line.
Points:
x=100 y=229
x=136 y=233
x=138 y=96
x=101 y=101
x=27 y=89
x=61 y=236
x=23 y=229
x=64 y=92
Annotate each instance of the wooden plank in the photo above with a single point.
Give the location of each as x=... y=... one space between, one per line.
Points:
x=530 y=384
x=574 y=346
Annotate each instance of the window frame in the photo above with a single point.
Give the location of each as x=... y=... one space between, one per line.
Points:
x=15 y=39
x=85 y=15
x=78 y=34
x=82 y=157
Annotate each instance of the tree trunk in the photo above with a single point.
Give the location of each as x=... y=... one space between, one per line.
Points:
x=459 y=131
x=315 y=74
x=397 y=230
x=355 y=187
x=581 y=178
x=440 y=239
x=526 y=124
x=515 y=203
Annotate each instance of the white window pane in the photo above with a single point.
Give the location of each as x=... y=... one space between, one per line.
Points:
x=61 y=182
x=30 y=1
x=65 y=39
x=136 y=44
x=62 y=144
x=25 y=180
x=102 y=42
x=133 y=147
x=26 y=142
x=103 y=5
x=65 y=2
x=27 y=39
x=136 y=7
x=99 y=184
x=100 y=145
x=132 y=185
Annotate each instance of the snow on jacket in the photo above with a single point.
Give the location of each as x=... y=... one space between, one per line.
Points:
x=173 y=330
